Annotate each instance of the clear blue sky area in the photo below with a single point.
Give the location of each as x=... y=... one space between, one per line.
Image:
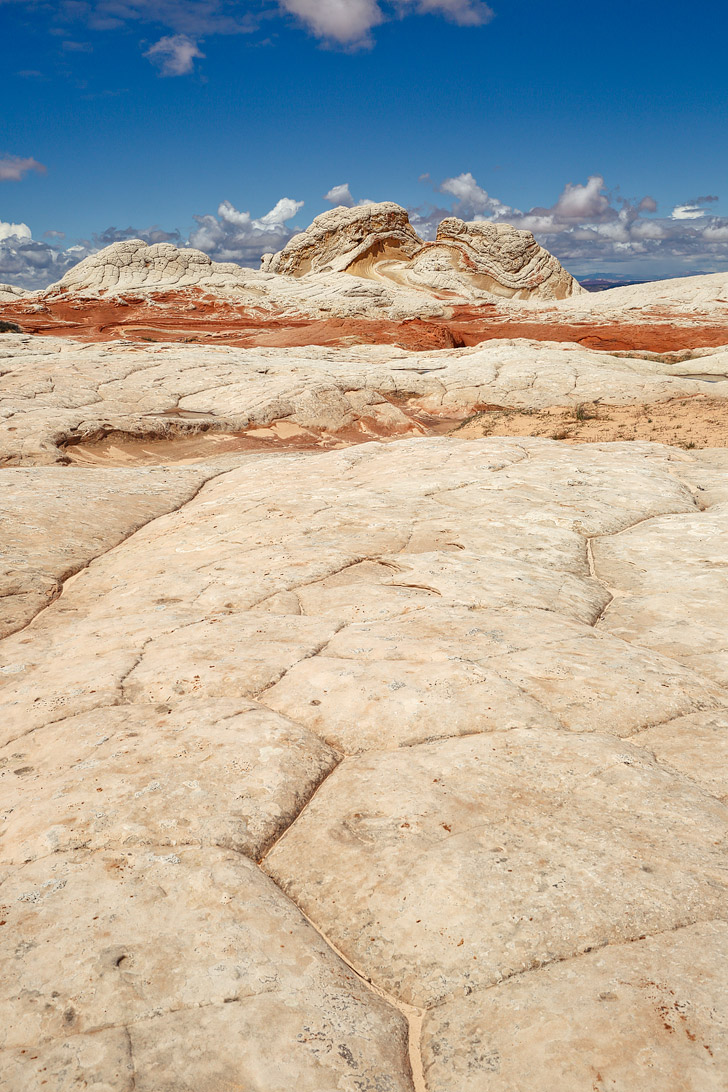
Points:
x=538 y=97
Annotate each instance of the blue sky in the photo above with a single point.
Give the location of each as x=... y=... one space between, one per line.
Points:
x=186 y=115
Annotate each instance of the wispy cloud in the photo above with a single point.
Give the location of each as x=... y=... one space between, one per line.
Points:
x=174 y=55
x=14 y=167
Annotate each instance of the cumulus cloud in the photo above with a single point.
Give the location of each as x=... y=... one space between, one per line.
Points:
x=579 y=202
x=29 y=263
x=341 y=195
x=234 y=236
x=349 y=22
x=14 y=167
x=586 y=224
x=473 y=202
x=14 y=231
x=175 y=55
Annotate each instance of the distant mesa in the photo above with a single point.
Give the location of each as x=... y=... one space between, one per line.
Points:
x=378 y=242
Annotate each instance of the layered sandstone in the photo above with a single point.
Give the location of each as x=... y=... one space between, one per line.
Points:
x=63 y=401
x=378 y=242
x=340 y=239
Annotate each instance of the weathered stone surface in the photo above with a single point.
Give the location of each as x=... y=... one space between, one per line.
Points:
x=669 y=581
x=377 y=241
x=651 y=1016
x=222 y=773
x=696 y=745
x=437 y=610
x=346 y=237
x=497 y=258
x=214 y=978
x=55 y=521
x=372 y=705
x=56 y=394
x=448 y=867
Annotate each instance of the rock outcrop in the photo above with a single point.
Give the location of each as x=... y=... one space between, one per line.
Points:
x=133 y=265
x=363 y=276
x=9 y=292
x=346 y=240
x=496 y=258
x=378 y=242
x=58 y=399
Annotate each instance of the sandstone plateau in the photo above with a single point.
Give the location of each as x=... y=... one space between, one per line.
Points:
x=363 y=672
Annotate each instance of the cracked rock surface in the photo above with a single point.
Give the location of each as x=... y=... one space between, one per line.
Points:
x=59 y=394
x=394 y=768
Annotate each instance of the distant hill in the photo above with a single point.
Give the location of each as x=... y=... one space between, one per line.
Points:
x=601 y=282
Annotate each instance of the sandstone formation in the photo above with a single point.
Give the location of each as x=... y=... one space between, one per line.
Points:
x=378 y=242
x=9 y=292
x=342 y=239
x=62 y=401
x=352 y=737
x=363 y=276
x=390 y=767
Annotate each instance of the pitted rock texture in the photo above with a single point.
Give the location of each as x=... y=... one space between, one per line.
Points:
x=344 y=770
x=649 y=1016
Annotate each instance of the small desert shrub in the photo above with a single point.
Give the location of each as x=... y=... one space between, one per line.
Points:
x=9 y=327
x=583 y=411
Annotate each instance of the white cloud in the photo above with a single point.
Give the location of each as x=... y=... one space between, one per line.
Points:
x=585 y=226
x=14 y=231
x=473 y=202
x=175 y=55
x=579 y=202
x=347 y=22
x=687 y=212
x=31 y=264
x=234 y=236
x=13 y=167
x=340 y=195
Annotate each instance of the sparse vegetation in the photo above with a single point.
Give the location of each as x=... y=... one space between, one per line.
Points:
x=585 y=411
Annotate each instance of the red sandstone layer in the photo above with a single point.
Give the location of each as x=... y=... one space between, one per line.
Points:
x=193 y=316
